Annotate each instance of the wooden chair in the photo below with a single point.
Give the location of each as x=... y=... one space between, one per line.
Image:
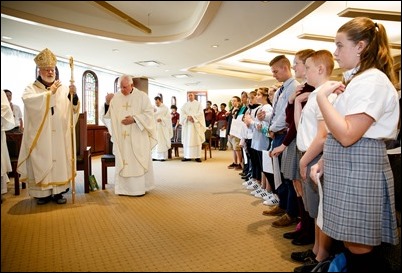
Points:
x=215 y=138
x=108 y=159
x=14 y=140
x=208 y=143
x=83 y=156
x=206 y=146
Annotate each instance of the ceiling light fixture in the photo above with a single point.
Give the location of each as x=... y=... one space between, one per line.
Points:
x=181 y=76
x=281 y=51
x=149 y=63
x=192 y=83
x=250 y=61
x=373 y=14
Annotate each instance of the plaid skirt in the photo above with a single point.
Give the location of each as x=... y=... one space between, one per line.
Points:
x=359 y=199
x=290 y=162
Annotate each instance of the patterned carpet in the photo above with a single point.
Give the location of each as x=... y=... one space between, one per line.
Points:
x=199 y=218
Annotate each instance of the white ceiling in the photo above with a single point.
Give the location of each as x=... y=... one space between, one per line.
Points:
x=182 y=36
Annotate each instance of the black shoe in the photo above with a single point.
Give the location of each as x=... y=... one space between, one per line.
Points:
x=308 y=265
x=59 y=199
x=198 y=159
x=44 y=200
x=303 y=255
x=292 y=235
x=186 y=159
x=242 y=174
x=303 y=239
x=162 y=160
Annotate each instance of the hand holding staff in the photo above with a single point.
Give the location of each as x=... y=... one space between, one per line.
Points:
x=72 y=92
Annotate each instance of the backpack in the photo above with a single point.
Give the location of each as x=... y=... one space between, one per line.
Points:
x=338 y=264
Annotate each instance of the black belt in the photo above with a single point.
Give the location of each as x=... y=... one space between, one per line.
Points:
x=281 y=132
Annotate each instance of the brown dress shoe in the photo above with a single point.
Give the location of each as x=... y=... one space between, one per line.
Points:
x=284 y=221
x=275 y=211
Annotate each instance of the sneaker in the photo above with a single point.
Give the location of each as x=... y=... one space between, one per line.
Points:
x=269 y=196
x=258 y=191
x=232 y=166
x=273 y=201
x=248 y=182
x=301 y=256
x=254 y=186
x=284 y=221
x=262 y=194
x=274 y=211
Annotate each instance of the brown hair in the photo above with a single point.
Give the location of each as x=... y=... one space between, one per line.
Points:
x=263 y=91
x=281 y=60
x=377 y=53
x=304 y=54
x=325 y=58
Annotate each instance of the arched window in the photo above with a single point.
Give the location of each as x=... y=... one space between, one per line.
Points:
x=161 y=96
x=90 y=96
x=173 y=101
x=116 y=85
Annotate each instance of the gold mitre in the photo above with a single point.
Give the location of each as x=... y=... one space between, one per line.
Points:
x=45 y=58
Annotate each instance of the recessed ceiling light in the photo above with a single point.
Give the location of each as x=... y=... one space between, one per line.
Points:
x=214 y=46
x=181 y=76
x=149 y=63
x=192 y=83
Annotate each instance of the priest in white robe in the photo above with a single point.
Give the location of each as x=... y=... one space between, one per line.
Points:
x=46 y=155
x=193 y=130
x=7 y=123
x=133 y=134
x=164 y=131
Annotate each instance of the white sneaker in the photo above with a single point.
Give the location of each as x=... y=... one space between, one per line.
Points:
x=254 y=186
x=248 y=182
x=272 y=201
x=262 y=194
x=268 y=196
x=258 y=191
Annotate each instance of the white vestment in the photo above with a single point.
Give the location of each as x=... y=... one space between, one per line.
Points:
x=7 y=123
x=46 y=156
x=164 y=132
x=192 y=133
x=132 y=144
